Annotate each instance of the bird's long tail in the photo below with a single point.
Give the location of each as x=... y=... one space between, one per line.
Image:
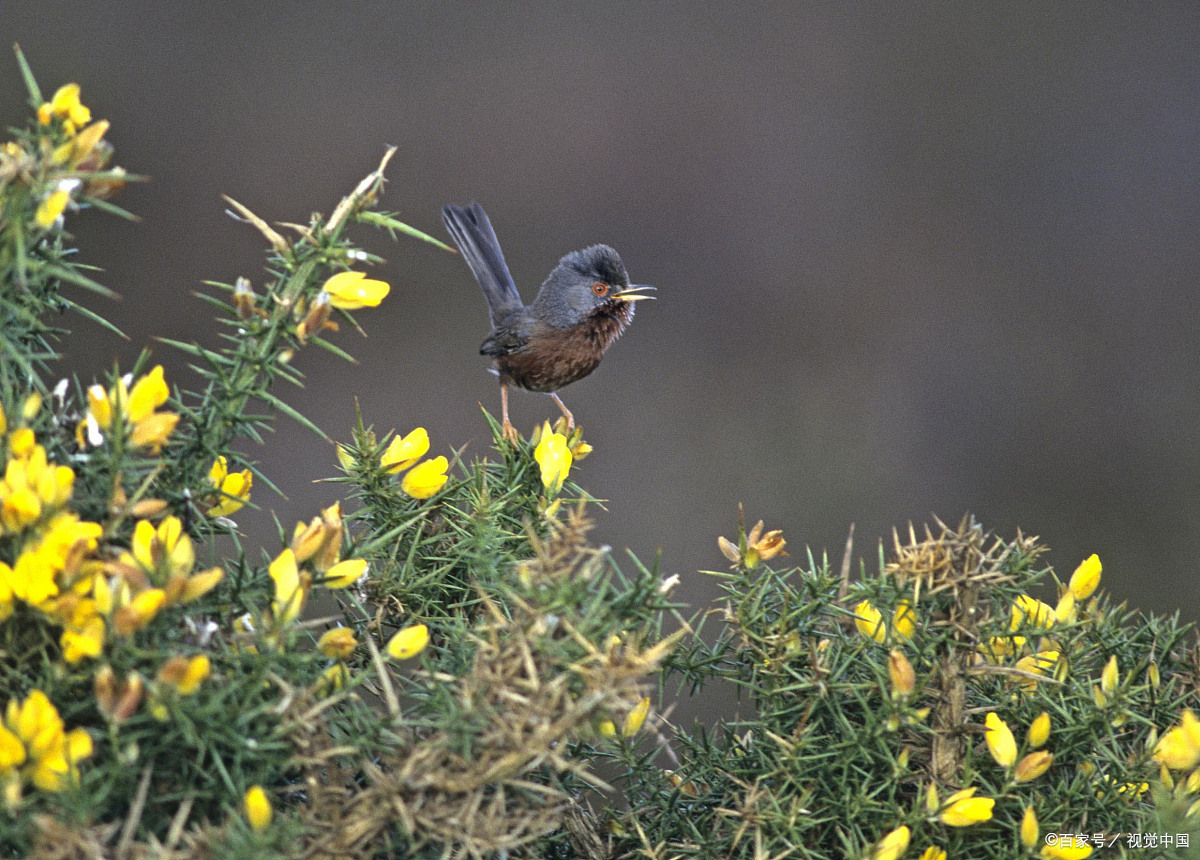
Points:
x=472 y=232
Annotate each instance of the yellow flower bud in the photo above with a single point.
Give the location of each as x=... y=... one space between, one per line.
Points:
x=1110 y=676
x=258 y=808
x=1065 y=612
x=636 y=717
x=1086 y=578
x=1039 y=731
x=903 y=677
x=933 y=853
x=1031 y=834
x=1033 y=765
x=338 y=643
x=1000 y=741
x=869 y=621
x=409 y=642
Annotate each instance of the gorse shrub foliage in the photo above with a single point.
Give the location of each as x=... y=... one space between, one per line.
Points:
x=483 y=687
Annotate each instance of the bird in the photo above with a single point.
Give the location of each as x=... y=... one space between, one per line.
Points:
x=584 y=305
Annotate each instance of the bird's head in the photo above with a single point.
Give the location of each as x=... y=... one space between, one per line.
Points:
x=586 y=281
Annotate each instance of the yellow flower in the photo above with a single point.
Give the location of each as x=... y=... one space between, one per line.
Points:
x=425 y=479
x=1030 y=832
x=1179 y=748
x=51 y=208
x=200 y=584
x=554 y=457
x=1029 y=611
x=903 y=678
x=408 y=643
x=1066 y=849
x=905 y=623
x=258 y=808
x=1065 y=612
x=1000 y=741
x=338 y=643
x=84 y=641
x=636 y=718
x=1041 y=663
x=138 y=612
x=1033 y=765
x=147 y=394
x=1086 y=577
x=404 y=451
x=1039 y=730
x=77 y=149
x=185 y=674
x=933 y=853
x=147 y=428
x=963 y=809
x=289 y=589
x=163 y=552
x=153 y=431
x=66 y=105
x=32 y=577
x=1110 y=676
x=50 y=754
x=333 y=678
x=893 y=845
x=345 y=573
x=352 y=290
x=235 y=488
x=869 y=621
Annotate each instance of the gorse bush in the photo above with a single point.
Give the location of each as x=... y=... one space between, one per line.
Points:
x=482 y=687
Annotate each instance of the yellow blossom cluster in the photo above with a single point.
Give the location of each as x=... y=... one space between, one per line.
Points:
x=131 y=412
x=84 y=150
x=314 y=556
x=1003 y=746
x=423 y=479
x=1032 y=615
x=870 y=621
x=52 y=567
x=36 y=749
x=234 y=488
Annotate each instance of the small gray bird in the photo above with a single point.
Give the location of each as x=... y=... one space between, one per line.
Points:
x=581 y=308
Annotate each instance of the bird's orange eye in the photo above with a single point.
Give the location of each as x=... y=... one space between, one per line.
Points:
x=600 y=288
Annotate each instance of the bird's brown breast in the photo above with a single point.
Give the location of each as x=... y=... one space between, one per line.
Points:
x=554 y=357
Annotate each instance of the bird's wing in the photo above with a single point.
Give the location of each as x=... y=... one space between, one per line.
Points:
x=473 y=233
x=503 y=341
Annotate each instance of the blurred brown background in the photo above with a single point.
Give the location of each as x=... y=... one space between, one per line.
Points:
x=911 y=258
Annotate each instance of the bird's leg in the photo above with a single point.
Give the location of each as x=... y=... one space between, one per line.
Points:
x=565 y=411
x=509 y=432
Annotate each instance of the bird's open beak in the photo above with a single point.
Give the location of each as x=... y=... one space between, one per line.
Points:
x=631 y=293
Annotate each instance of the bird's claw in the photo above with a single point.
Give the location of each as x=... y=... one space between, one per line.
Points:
x=510 y=433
